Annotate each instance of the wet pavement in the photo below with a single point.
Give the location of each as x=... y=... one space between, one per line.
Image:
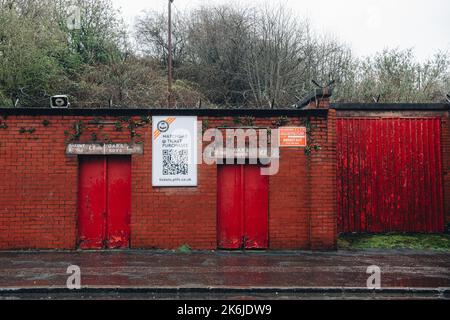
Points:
x=283 y=275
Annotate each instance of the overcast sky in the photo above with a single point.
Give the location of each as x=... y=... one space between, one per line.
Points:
x=368 y=26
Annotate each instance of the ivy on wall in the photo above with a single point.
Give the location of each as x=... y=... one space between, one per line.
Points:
x=23 y=130
x=311 y=146
x=79 y=127
x=3 y=124
x=281 y=121
x=247 y=121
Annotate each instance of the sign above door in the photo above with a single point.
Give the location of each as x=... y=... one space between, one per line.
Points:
x=104 y=149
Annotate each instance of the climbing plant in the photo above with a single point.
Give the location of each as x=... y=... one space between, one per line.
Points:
x=205 y=126
x=281 y=121
x=79 y=127
x=311 y=146
x=77 y=130
x=3 y=124
x=23 y=130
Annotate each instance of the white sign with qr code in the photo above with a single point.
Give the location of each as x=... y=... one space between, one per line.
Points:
x=174 y=162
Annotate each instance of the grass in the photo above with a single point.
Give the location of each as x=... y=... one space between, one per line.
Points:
x=439 y=242
x=184 y=249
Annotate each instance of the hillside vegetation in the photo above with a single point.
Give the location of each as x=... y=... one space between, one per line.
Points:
x=255 y=57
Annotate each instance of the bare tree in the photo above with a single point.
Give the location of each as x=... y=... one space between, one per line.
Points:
x=151 y=33
x=285 y=56
x=274 y=58
x=217 y=44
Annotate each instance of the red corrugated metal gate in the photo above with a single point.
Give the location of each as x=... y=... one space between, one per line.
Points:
x=389 y=175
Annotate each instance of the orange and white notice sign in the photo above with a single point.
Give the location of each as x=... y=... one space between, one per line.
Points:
x=292 y=136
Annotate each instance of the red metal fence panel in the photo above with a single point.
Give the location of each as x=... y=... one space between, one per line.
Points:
x=389 y=175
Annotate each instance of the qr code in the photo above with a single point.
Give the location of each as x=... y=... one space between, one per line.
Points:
x=175 y=162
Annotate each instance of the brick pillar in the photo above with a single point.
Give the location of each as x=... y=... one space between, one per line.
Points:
x=322 y=182
x=320 y=99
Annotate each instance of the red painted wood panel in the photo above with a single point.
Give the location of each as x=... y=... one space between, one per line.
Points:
x=256 y=207
x=229 y=207
x=119 y=202
x=91 y=202
x=389 y=175
x=242 y=207
x=104 y=202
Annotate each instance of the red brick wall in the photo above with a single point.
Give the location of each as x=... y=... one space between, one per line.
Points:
x=38 y=188
x=322 y=195
x=37 y=185
x=446 y=164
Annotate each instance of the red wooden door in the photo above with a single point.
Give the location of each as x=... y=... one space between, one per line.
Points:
x=119 y=202
x=256 y=208
x=104 y=202
x=243 y=195
x=229 y=207
x=91 y=202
